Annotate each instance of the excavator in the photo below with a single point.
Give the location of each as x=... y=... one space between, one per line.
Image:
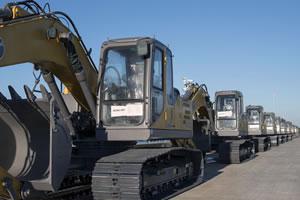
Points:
x=231 y=137
x=293 y=131
x=296 y=131
x=270 y=128
x=257 y=128
x=284 y=131
x=289 y=130
x=121 y=133
x=280 y=129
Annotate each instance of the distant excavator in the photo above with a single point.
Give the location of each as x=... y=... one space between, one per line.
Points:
x=121 y=133
x=232 y=139
x=260 y=127
x=239 y=135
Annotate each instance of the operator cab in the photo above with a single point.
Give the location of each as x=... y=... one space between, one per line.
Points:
x=136 y=99
x=295 y=129
x=283 y=126
x=255 y=119
x=269 y=123
x=278 y=124
x=229 y=113
x=289 y=130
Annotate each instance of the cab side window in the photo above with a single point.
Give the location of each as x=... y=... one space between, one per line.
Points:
x=158 y=70
x=157 y=85
x=169 y=79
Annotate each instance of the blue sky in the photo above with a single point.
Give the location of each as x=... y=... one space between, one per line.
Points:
x=252 y=46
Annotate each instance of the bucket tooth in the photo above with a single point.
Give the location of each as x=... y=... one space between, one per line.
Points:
x=13 y=94
x=38 y=105
x=29 y=94
x=2 y=98
x=46 y=95
x=4 y=103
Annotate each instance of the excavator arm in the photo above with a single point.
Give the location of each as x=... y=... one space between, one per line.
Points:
x=203 y=114
x=201 y=105
x=42 y=39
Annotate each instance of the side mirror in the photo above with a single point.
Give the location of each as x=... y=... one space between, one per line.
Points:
x=142 y=48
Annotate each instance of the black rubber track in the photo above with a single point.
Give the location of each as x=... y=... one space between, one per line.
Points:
x=120 y=176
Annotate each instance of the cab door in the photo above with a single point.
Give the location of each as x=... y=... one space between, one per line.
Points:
x=157 y=89
x=169 y=91
x=162 y=89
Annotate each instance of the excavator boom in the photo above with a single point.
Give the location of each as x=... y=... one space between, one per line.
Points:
x=38 y=38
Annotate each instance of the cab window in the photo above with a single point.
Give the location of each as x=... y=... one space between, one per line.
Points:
x=169 y=79
x=157 y=85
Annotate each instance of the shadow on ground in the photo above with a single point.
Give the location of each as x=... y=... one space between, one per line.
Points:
x=212 y=167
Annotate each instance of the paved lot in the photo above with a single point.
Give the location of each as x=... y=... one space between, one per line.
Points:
x=272 y=175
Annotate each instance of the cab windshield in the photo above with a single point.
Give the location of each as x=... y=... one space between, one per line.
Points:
x=253 y=117
x=277 y=122
x=124 y=74
x=282 y=125
x=268 y=120
x=122 y=89
x=226 y=107
x=226 y=112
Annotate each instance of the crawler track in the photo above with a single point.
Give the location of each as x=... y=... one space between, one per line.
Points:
x=262 y=143
x=147 y=173
x=236 y=151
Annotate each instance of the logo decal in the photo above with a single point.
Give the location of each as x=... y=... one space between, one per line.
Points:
x=1 y=49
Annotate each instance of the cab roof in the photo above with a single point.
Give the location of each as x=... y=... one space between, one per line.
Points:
x=255 y=107
x=229 y=92
x=131 y=40
x=269 y=113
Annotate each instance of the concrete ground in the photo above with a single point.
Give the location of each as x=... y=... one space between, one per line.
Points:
x=272 y=175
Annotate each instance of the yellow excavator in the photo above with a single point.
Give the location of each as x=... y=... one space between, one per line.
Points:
x=121 y=133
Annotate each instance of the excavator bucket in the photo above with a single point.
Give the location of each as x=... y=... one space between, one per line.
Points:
x=35 y=142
